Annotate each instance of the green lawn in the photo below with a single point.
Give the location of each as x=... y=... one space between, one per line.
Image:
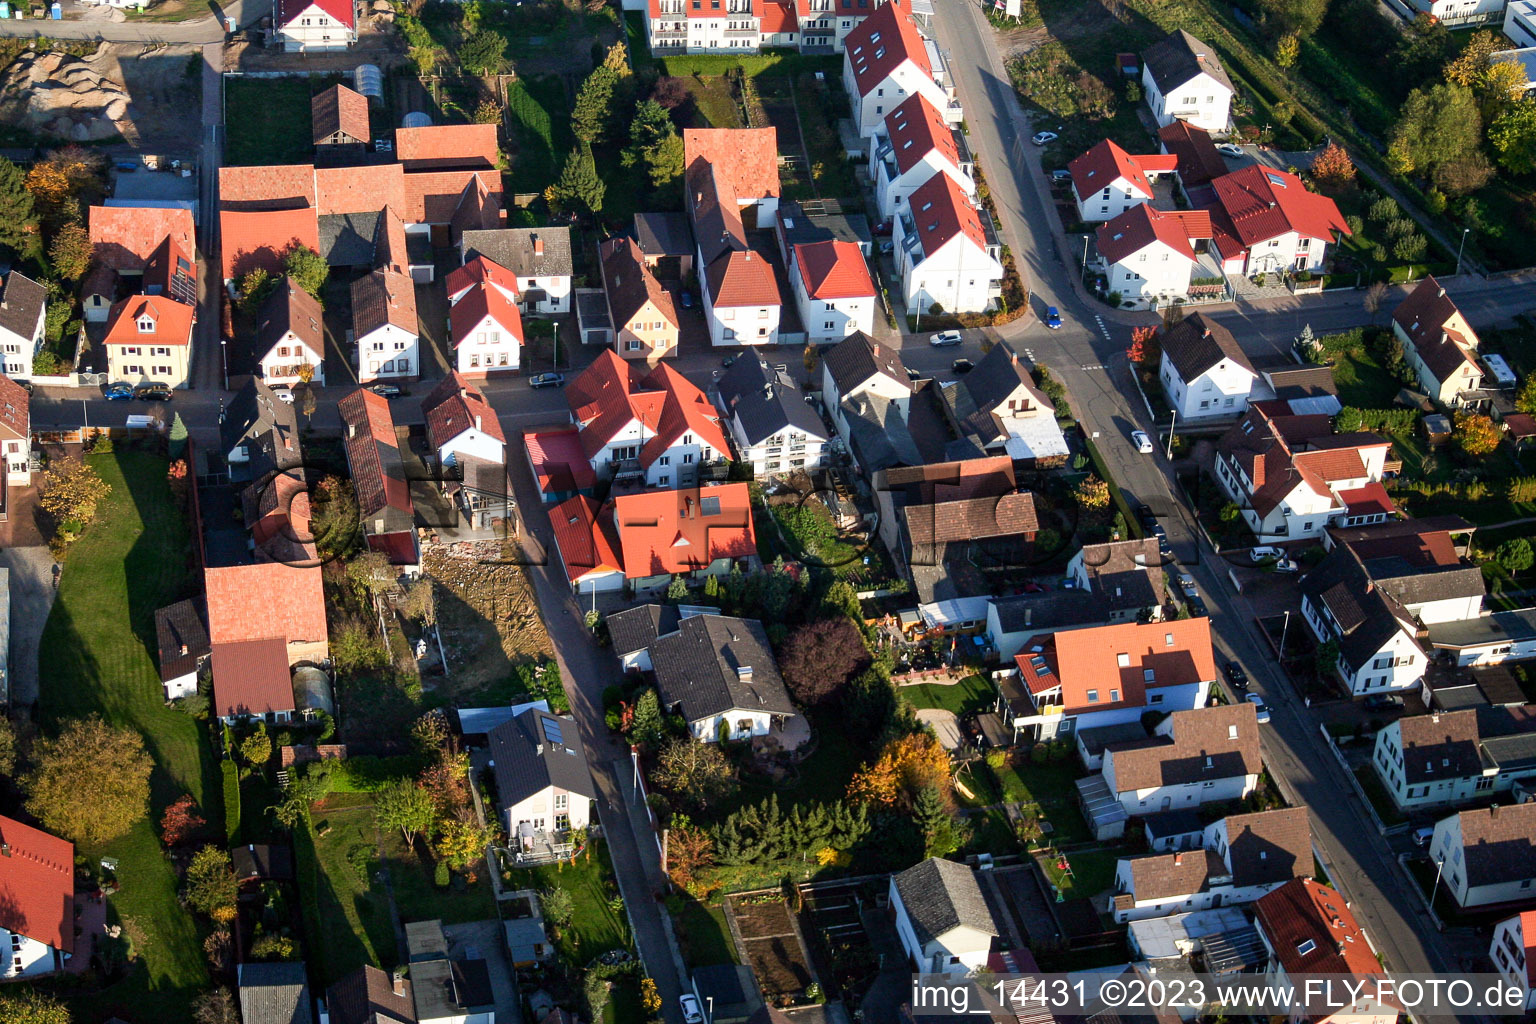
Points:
x=598 y=925
x=1052 y=789
x=1376 y=793
x=418 y=897
x=973 y=693
x=1089 y=872
x=1362 y=381
x=710 y=103
x=822 y=777
x=702 y=931
x=539 y=113
x=346 y=913
x=96 y=656
x=268 y=121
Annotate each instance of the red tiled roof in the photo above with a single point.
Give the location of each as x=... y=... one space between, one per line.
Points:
x=249 y=602
x=1372 y=499
x=1141 y=225
x=1037 y=669
x=671 y=532
x=370 y=439
x=453 y=407
x=742 y=278
x=432 y=197
x=15 y=408
x=778 y=18
x=941 y=211
x=389 y=243
x=37 y=885
x=172 y=321
x=834 y=270
x=1198 y=159
x=1106 y=163
x=917 y=128
x=880 y=43
x=1519 y=425
x=631 y=286
x=280 y=187
x=254 y=239
x=710 y=9
x=1306 y=914
x=359 y=189
x=341 y=10
x=171 y=271
x=1091 y=659
x=474 y=306
x=124 y=237
x=584 y=535
x=1279 y=453
x=382 y=298
x=1528 y=938
x=339 y=109
x=558 y=462
x=250 y=677
x=1258 y=203
x=746 y=158
x=447 y=145
x=481 y=269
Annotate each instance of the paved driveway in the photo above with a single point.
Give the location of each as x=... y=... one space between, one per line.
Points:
x=32 y=595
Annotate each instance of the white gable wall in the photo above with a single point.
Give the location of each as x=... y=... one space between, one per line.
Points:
x=1202 y=101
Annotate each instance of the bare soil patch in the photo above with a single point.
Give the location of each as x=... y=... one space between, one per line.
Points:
x=488 y=618
x=772 y=947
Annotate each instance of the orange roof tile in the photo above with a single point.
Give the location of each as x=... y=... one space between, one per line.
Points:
x=778 y=18
x=455 y=406
x=880 y=43
x=339 y=109
x=280 y=187
x=250 y=677
x=742 y=278
x=1258 y=203
x=748 y=158
x=1106 y=163
x=1141 y=225
x=1120 y=657
x=251 y=602
x=482 y=301
x=583 y=533
x=251 y=239
x=15 y=409
x=481 y=269
x=170 y=321
x=447 y=145
x=1303 y=914
x=683 y=530
x=917 y=128
x=37 y=885
x=558 y=460
x=432 y=197
x=359 y=189
x=834 y=270
x=941 y=211
x=124 y=237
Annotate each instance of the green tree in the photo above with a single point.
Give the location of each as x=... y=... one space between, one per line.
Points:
x=29 y=1006
x=1525 y=400
x=252 y=289
x=483 y=52
x=579 y=182
x=177 y=436
x=307 y=268
x=594 y=105
x=1437 y=126
x=335 y=519
x=695 y=773
x=18 y=216
x=646 y=727
x=1476 y=434
x=407 y=807
x=1326 y=659
x=677 y=590
x=655 y=145
x=557 y=905
x=462 y=842
x=70 y=251
x=354 y=649
x=91 y=782
x=1287 y=49
x=1515 y=555
x=7 y=746
x=942 y=835
x=303 y=790
x=256 y=749
x=210 y=887
x=1513 y=137
x=1296 y=17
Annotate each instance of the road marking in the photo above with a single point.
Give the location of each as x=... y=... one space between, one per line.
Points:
x=1029 y=354
x=1093 y=366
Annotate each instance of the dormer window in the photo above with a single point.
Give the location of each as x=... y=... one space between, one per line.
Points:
x=146 y=324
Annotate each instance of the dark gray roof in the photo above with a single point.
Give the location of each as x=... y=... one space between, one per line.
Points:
x=449 y=988
x=636 y=628
x=1172 y=823
x=1094 y=740
x=274 y=993
x=766 y=401
x=715 y=664
x=664 y=234
x=346 y=239
x=1368 y=616
x=289 y=308
x=1057 y=609
x=1400 y=528
x=824 y=221
x=1269 y=846
x=181 y=634
x=1180 y=57
x=269 y=428
x=881 y=437
x=537 y=750
x=980 y=392
x=368 y=996
x=859 y=357
x=21 y=304
x=1498 y=844
x=940 y=895
x=513 y=249
x=1304 y=378
x=1414 y=585
x=713 y=212
x=1512 y=626
x=263 y=860
x=1195 y=344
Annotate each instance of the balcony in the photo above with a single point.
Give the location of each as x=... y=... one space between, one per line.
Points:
x=740 y=33
x=624 y=467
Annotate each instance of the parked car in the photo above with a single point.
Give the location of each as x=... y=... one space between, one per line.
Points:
x=152 y=391
x=914 y=375
x=691 y=1012
x=1264 y=552
x=1145 y=516
x=1197 y=606
x=1042 y=138
x=1053 y=318
x=1382 y=702
x=283 y=393
x=1285 y=565
x=1061 y=174
x=387 y=390
x=944 y=339
x=962 y=366
x=1260 y=707
x=687 y=299
x=1142 y=442
x=547 y=380
x=728 y=362
x=1422 y=836
x=1229 y=149
x=1187 y=585
x=117 y=391
x=1235 y=675
x=887 y=247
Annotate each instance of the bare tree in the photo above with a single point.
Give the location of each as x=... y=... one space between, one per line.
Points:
x=1375 y=295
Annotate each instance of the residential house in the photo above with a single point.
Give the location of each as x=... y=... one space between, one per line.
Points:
x=1182 y=78
x=23 y=307
x=543 y=784
x=632 y=631
x=149 y=338
x=465 y=434
x=709 y=26
x=312 y=26
x=1438 y=343
x=368 y=995
x=719 y=673
x=15 y=434
x=1204 y=370
x=1513 y=951
x=251 y=680
x=262 y=862
x=384 y=322
x=1491 y=638
x=484 y=325
x=181 y=635
x=1106 y=675
x=656 y=425
x=1265 y=221
x=1150 y=256
x=1520 y=22
x=1196 y=757
x=942 y=918
x=269 y=599
x=1447 y=758
x=860 y=366
x=1288 y=474
x=538 y=258
x=776 y=430
x=690 y=531
x=274 y=993
x=123 y=238
x=645 y=319
x=921 y=431
x=1240 y=858
x=559 y=464
x=666 y=243
x=1308 y=929
x=916 y=143
x=833 y=290
x=1014 y=622
x=378 y=474
x=290 y=336
x=437 y=147
x=37 y=900
x=1197 y=161
x=1000 y=407
x=1126 y=576
x=885 y=60
x=1487 y=857
x=259 y=433
x=339 y=117
x=1460 y=13
x=444 y=989
x=1107 y=181
x=587 y=544
x=779 y=22
x=946 y=250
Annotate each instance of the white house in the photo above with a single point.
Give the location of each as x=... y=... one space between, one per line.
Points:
x=385 y=327
x=1107 y=181
x=290 y=336
x=543 y=785
x=1513 y=950
x=1265 y=221
x=1148 y=255
x=776 y=430
x=741 y=300
x=946 y=250
x=539 y=260
x=707 y=26
x=1127 y=577
x=23 y=308
x=181 y=633
x=999 y=408
x=1239 y=859
x=1520 y=22
x=461 y=424
x=885 y=60
x=860 y=366
x=315 y=25
x=942 y=918
x=1438 y=343
x=1308 y=929
x=833 y=290
x=1205 y=755
x=719 y=673
x=1447 y=758
x=1204 y=370
x=916 y=144
x=16 y=432
x=484 y=325
x=1487 y=857
x=1183 y=79
x=37 y=922
x=1460 y=13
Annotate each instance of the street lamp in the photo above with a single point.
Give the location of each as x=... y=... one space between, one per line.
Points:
x=1459 y=248
x=1439 y=867
x=1084 y=270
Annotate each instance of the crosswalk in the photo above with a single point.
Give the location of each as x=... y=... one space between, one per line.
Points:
x=1103 y=327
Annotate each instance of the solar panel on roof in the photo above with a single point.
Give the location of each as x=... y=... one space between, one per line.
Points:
x=552 y=731
x=1276 y=180
x=709 y=506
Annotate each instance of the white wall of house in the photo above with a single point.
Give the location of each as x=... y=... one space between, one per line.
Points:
x=18 y=471
x=18 y=349
x=136 y=364
x=474 y=442
x=1387 y=760
x=904 y=80
x=604 y=581
x=1202 y=101
x=1496 y=652
x=1520 y=22
x=1156 y=799
x=388 y=352
x=1508 y=953
x=1466 y=378
x=488 y=347
x=1398 y=665
x=891 y=194
x=743 y=723
x=181 y=686
x=1221 y=390
x=29 y=957
x=1157 y=273
x=1463 y=12
x=557 y=294
x=280 y=364
x=742 y=325
x=1109 y=202
x=832 y=320
x=961 y=276
x=1302 y=513
x=666 y=470
x=880 y=385
x=545 y=808
x=780 y=452
x=1288 y=251
x=960 y=950
x=313 y=30
x=1215 y=894
x=1449 y=609
x=1446 y=846
x=732 y=32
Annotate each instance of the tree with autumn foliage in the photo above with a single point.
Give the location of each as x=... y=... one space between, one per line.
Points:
x=903 y=770
x=70 y=252
x=180 y=822
x=1145 y=347
x=1092 y=493
x=819 y=657
x=210 y=886
x=1332 y=169
x=690 y=852
x=1476 y=434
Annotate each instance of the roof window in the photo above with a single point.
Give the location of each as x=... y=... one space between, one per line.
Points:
x=1305 y=946
x=1123 y=660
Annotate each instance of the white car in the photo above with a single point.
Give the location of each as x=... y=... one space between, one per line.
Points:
x=1229 y=149
x=1264 y=552
x=1142 y=442
x=283 y=393
x=945 y=339
x=1041 y=138
x=691 y=1012
x=1261 y=709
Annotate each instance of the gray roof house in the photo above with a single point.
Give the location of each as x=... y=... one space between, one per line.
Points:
x=543 y=784
x=942 y=918
x=766 y=409
x=259 y=434
x=633 y=630
x=1180 y=57
x=531 y=254
x=23 y=308
x=370 y=996
x=720 y=674
x=274 y=993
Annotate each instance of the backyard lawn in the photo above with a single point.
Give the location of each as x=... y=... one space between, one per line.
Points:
x=973 y=693
x=539 y=113
x=598 y=924
x=419 y=899
x=268 y=121
x=1089 y=872
x=710 y=103
x=1052 y=789
x=345 y=912
x=96 y=648
x=702 y=931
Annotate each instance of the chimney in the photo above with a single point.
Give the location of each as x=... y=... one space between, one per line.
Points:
x=1441 y=293
x=351 y=429
x=538 y=246
x=1178 y=859
x=477 y=421
x=183 y=650
x=1205 y=333
x=399 y=982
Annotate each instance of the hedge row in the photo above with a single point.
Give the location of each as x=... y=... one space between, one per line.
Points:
x=368 y=774
x=780 y=62
x=1383 y=421
x=231 y=800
